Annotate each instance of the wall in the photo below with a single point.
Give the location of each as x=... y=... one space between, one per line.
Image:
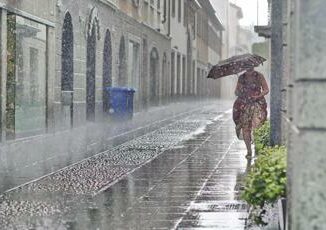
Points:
x=308 y=102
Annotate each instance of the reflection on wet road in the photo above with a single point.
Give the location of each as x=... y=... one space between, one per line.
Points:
x=181 y=176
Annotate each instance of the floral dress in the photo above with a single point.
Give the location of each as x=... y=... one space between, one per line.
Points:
x=249 y=113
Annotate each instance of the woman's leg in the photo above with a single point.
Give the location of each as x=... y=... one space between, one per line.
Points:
x=247 y=140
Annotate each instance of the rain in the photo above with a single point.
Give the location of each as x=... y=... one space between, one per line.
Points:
x=162 y=114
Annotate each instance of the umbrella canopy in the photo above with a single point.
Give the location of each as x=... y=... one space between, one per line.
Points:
x=234 y=65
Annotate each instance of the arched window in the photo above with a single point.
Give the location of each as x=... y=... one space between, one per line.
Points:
x=90 y=75
x=67 y=61
x=67 y=66
x=107 y=68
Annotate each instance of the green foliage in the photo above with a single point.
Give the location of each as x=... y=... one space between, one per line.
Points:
x=266 y=180
x=262 y=137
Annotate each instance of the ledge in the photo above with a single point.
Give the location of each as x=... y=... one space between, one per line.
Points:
x=263 y=31
x=110 y=4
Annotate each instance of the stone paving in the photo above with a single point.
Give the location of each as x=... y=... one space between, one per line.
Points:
x=183 y=176
x=48 y=153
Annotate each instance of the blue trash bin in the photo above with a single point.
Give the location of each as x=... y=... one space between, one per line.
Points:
x=120 y=102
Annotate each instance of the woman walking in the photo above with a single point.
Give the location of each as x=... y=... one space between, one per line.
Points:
x=250 y=108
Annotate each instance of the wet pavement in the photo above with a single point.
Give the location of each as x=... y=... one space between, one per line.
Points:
x=47 y=153
x=185 y=175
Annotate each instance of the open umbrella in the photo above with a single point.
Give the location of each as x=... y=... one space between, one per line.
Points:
x=235 y=64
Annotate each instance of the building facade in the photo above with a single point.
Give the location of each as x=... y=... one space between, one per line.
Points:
x=209 y=49
x=58 y=58
x=118 y=43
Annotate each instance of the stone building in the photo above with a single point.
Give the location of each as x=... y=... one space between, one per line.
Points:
x=178 y=47
x=57 y=58
x=113 y=43
x=209 y=49
x=191 y=9
x=234 y=16
x=62 y=55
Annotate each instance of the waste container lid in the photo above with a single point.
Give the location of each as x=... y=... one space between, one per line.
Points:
x=120 y=89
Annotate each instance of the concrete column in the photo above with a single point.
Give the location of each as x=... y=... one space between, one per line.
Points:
x=276 y=71
x=292 y=130
x=285 y=76
x=307 y=151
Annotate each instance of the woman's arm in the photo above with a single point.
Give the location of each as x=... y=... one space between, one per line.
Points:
x=264 y=86
x=238 y=89
x=265 y=89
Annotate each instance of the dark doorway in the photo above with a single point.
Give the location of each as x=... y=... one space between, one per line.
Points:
x=107 y=69
x=90 y=75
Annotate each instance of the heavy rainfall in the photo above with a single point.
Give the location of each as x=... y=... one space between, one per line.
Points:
x=162 y=114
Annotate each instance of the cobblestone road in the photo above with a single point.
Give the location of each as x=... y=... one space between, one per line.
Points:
x=182 y=176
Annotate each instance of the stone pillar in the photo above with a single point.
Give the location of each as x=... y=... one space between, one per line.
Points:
x=307 y=151
x=50 y=83
x=290 y=127
x=276 y=71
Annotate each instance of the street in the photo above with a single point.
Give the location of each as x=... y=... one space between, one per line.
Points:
x=184 y=175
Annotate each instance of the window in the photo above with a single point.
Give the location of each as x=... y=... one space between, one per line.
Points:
x=172 y=73
x=26 y=77
x=152 y=17
x=179 y=10
x=67 y=69
x=185 y=14
x=134 y=69
x=133 y=64
x=173 y=8
x=184 y=75
x=67 y=55
x=158 y=4
x=164 y=10
x=199 y=24
x=179 y=80
x=145 y=12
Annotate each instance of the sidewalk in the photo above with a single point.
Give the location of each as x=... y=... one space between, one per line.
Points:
x=182 y=176
x=26 y=159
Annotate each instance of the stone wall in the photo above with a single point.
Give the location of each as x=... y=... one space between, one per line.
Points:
x=307 y=131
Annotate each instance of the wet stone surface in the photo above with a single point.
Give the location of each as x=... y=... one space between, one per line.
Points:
x=182 y=176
